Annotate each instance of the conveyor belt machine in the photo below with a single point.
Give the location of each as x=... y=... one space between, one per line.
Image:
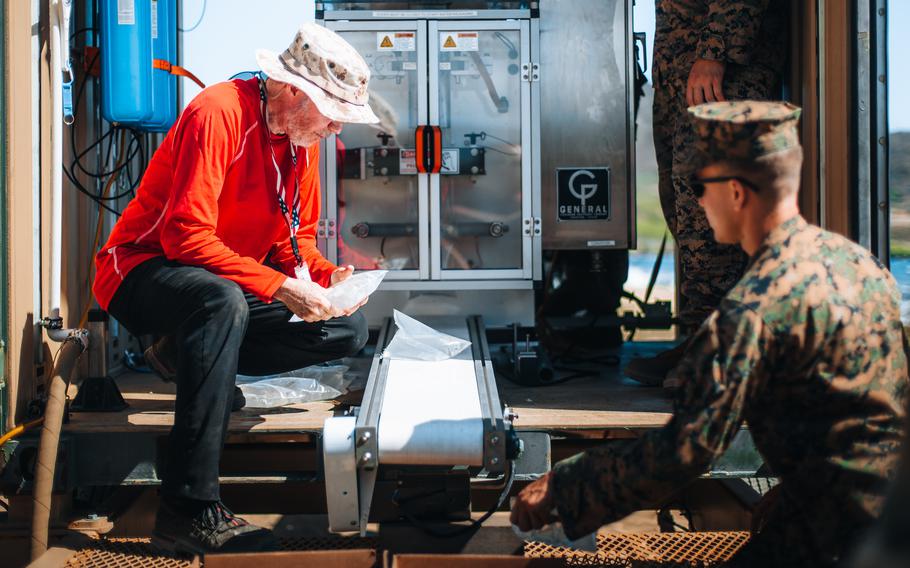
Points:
x=422 y=432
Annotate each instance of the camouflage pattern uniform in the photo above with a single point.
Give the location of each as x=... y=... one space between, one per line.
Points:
x=807 y=348
x=749 y=36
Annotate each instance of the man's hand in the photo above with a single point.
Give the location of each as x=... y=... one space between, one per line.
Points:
x=706 y=81
x=533 y=507
x=306 y=299
x=340 y=275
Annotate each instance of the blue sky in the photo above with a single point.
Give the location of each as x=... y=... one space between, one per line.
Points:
x=226 y=39
x=231 y=30
x=898 y=76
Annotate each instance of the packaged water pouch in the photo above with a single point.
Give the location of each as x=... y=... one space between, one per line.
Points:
x=418 y=341
x=310 y=384
x=272 y=393
x=347 y=293
x=554 y=535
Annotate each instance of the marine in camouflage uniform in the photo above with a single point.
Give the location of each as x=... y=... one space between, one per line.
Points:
x=749 y=37
x=807 y=348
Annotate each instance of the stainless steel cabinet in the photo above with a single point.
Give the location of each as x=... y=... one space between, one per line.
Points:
x=469 y=216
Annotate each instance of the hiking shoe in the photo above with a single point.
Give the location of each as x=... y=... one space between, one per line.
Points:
x=211 y=527
x=652 y=371
x=161 y=357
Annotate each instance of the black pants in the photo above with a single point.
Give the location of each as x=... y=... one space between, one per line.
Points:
x=218 y=331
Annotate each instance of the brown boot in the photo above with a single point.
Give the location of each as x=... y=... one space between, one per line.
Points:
x=161 y=356
x=652 y=371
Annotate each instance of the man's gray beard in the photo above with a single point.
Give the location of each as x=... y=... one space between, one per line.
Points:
x=304 y=141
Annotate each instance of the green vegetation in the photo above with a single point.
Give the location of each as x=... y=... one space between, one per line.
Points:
x=650 y=218
x=651 y=225
x=899 y=193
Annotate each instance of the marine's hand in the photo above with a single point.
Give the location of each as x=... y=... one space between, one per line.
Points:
x=306 y=299
x=533 y=507
x=706 y=81
x=341 y=274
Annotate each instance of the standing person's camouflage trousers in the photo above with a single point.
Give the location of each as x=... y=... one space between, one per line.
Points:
x=749 y=36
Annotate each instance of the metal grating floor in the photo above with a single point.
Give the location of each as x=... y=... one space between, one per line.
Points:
x=619 y=550
x=140 y=552
x=125 y=553
x=327 y=543
x=682 y=549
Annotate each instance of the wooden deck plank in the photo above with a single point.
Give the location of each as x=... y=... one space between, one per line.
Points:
x=604 y=402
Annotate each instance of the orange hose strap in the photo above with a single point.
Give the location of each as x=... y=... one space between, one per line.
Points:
x=165 y=65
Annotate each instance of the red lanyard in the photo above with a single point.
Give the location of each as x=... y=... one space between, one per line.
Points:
x=291 y=215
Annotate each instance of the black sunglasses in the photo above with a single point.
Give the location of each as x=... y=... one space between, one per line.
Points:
x=698 y=184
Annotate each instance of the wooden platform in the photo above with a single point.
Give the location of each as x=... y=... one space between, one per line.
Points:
x=606 y=402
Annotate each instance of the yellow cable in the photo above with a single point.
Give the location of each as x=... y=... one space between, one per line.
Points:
x=13 y=433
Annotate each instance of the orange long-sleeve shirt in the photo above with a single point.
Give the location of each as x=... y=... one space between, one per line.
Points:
x=208 y=198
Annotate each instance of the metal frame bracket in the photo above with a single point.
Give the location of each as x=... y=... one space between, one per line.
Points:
x=326 y=229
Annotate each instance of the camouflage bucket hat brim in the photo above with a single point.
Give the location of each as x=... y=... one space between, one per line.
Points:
x=743 y=130
x=328 y=69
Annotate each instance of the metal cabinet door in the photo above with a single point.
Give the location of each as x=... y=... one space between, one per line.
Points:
x=376 y=202
x=480 y=204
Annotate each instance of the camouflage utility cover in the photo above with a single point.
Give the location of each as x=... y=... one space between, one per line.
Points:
x=808 y=350
x=744 y=130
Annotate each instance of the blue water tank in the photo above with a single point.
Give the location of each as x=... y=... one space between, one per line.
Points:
x=164 y=85
x=126 y=61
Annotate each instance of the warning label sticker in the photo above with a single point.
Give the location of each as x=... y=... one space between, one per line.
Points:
x=154 y=19
x=126 y=12
x=396 y=41
x=407 y=162
x=459 y=41
x=450 y=164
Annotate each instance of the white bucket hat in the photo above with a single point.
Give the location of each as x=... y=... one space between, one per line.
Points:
x=328 y=69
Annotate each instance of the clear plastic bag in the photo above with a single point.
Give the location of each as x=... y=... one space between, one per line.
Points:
x=271 y=393
x=310 y=384
x=348 y=293
x=554 y=535
x=418 y=341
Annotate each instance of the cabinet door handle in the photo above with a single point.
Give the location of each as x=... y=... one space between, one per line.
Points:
x=428 y=142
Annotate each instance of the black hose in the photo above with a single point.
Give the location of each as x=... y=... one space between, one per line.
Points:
x=473 y=525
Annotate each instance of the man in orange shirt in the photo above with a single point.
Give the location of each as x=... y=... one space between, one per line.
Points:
x=218 y=251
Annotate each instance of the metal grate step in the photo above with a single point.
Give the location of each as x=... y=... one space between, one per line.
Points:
x=621 y=550
x=140 y=552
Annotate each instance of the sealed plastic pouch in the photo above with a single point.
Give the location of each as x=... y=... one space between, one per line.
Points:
x=418 y=341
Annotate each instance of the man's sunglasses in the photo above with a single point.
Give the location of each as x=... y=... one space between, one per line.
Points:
x=698 y=184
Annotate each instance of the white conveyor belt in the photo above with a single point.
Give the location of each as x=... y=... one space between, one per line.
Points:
x=431 y=414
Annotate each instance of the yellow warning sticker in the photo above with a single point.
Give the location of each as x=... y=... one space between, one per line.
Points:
x=459 y=41
x=396 y=41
